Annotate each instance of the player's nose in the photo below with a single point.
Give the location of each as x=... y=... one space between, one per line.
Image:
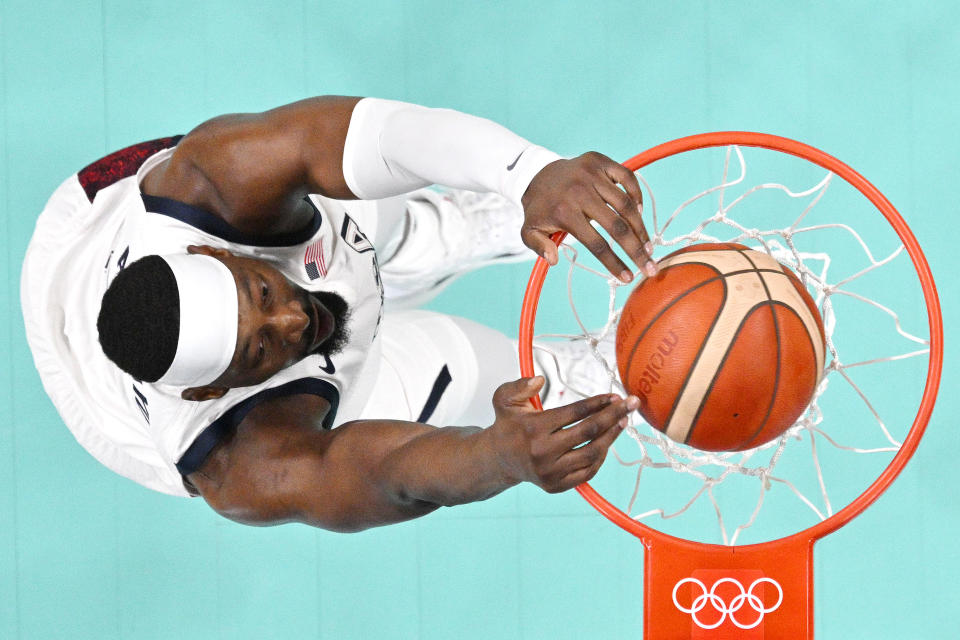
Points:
x=290 y=321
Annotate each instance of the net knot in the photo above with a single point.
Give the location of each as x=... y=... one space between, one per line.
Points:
x=765 y=479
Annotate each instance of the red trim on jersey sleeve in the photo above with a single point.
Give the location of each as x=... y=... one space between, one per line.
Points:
x=120 y=164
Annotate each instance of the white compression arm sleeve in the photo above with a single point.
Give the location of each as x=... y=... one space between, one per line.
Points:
x=394 y=147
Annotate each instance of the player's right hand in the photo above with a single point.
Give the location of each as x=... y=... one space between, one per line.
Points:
x=556 y=449
x=572 y=195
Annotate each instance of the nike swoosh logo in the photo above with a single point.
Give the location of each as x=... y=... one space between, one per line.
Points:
x=514 y=163
x=328 y=365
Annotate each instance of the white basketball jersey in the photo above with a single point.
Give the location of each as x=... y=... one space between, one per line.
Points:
x=146 y=431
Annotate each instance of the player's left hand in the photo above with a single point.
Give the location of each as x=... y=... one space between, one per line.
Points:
x=568 y=194
x=559 y=448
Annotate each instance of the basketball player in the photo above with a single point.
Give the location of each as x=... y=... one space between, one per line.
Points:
x=204 y=310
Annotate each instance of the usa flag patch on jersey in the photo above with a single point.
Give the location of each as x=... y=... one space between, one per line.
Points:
x=314 y=261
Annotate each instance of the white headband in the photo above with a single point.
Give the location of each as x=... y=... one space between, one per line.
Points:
x=208 y=320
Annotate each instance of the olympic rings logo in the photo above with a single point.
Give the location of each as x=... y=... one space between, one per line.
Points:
x=745 y=597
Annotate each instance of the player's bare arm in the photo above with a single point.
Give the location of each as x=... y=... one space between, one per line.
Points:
x=253 y=170
x=280 y=466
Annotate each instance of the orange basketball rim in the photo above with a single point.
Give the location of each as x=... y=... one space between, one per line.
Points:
x=778 y=573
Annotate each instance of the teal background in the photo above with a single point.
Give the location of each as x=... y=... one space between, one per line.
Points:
x=86 y=554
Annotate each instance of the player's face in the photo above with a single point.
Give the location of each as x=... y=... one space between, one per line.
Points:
x=279 y=323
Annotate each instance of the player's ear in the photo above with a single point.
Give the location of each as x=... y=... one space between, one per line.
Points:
x=206 y=250
x=199 y=394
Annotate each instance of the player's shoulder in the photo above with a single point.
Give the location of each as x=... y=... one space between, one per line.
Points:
x=295 y=410
x=180 y=177
x=229 y=167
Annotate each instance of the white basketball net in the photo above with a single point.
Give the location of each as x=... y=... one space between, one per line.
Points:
x=711 y=470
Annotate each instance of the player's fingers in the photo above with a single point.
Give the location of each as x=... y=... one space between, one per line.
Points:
x=619 y=200
x=629 y=205
x=579 y=476
x=594 y=452
x=541 y=244
x=626 y=179
x=596 y=245
x=609 y=214
x=517 y=393
x=597 y=425
x=559 y=417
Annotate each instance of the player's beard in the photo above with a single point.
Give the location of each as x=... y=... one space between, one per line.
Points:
x=341 y=319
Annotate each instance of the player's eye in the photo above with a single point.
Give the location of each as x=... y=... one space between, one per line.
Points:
x=260 y=351
x=264 y=293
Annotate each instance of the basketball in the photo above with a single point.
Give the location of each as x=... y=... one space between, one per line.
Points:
x=724 y=347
